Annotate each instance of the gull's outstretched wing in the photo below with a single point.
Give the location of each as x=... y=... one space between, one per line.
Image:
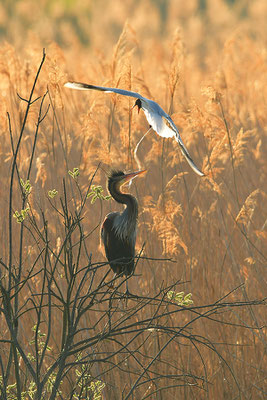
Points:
x=154 y=114
x=169 y=122
x=188 y=157
x=85 y=86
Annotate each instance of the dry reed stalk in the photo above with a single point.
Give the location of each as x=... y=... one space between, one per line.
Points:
x=214 y=231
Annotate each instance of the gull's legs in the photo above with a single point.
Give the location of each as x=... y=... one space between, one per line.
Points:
x=137 y=146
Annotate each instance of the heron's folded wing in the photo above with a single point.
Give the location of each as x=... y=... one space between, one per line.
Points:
x=118 y=251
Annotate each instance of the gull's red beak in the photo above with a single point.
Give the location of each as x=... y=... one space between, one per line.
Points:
x=138 y=108
x=138 y=104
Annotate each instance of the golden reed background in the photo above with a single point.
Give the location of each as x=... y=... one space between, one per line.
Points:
x=205 y=63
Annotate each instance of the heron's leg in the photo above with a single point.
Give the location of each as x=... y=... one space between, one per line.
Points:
x=128 y=293
x=111 y=285
x=136 y=148
x=127 y=289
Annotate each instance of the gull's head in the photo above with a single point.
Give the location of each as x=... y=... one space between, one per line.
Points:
x=138 y=104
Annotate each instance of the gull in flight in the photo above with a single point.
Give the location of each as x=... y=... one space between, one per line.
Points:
x=157 y=118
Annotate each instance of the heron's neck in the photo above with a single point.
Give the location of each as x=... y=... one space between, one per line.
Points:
x=131 y=210
x=129 y=201
x=128 y=218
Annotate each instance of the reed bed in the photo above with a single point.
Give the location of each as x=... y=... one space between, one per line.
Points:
x=65 y=331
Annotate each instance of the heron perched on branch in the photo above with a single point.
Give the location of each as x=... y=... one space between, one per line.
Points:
x=119 y=229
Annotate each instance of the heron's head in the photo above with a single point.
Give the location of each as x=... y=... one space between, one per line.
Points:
x=138 y=104
x=117 y=179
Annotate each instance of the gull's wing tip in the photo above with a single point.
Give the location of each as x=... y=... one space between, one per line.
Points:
x=200 y=173
x=193 y=166
x=68 y=84
x=188 y=157
x=86 y=86
x=75 y=85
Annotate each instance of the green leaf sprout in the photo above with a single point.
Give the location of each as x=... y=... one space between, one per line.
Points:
x=26 y=186
x=52 y=193
x=180 y=298
x=20 y=216
x=74 y=173
x=97 y=193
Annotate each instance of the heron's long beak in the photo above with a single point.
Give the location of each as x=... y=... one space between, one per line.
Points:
x=130 y=176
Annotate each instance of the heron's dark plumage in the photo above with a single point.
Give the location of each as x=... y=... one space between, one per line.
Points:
x=120 y=251
x=115 y=174
x=119 y=228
